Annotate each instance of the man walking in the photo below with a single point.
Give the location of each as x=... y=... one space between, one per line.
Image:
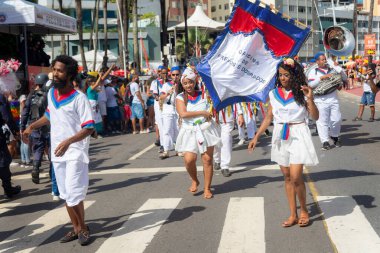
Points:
x=329 y=122
x=71 y=123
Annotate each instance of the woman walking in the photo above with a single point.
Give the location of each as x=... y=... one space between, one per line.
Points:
x=291 y=103
x=198 y=133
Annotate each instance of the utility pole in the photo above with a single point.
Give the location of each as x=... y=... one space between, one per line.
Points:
x=370 y=21
x=355 y=26
x=185 y=8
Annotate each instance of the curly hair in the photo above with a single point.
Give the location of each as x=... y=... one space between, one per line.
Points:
x=71 y=65
x=297 y=79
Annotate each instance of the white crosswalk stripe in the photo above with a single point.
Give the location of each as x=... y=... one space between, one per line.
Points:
x=136 y=233
x=28 y=238
x=243 y=229
x=348 y=227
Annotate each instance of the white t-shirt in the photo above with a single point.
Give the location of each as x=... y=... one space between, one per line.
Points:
x=102 y=96
x=156 y=87
x=135 y=88
x=168 y=105
x=68 y=115
x=314 y=78
x=196 y=103
x=111 y=99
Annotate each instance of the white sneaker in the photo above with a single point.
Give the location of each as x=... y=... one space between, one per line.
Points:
x=13 y=164
x=241 y=142
x=56 y=198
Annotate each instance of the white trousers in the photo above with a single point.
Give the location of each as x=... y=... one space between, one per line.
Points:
x=250 y=123
x=169 y=131
x=158 y=119
x=222 y=154
x=329 y=122
x=72 y=180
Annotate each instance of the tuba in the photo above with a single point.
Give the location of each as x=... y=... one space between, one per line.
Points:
x=338 y=40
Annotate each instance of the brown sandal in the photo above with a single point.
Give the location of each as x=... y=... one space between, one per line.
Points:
x=288 y=223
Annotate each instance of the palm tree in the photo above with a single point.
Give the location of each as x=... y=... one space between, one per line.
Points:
x=185 y=7
x=164 y=28
x=105 y=42
x=96 y=27
x=63 y=43
x=135 y=36
x=78 y=7
x=204 y=41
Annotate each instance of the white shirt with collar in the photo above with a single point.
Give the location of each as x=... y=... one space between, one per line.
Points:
x=314 y=78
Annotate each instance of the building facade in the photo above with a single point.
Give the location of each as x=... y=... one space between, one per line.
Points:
x=150 y=34
x=175 y=9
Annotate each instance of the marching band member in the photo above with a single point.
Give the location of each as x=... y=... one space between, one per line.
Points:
x=169 y=117
x=222 y=155
x=198 y=133
x=156 y=88
x=329 y=122
x=292 y=148
x=247 y=120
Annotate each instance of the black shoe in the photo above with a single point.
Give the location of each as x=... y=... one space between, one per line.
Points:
x=157 y=143
x=70 y=236
x=326 y=146
x=84 y=237
x=12 y=191
x=371 y=120
x=226 y=173
x=337 y=142
x=36 y=176
x=267 y=133
x=217 y=166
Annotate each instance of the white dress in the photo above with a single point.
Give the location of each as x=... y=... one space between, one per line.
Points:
x=291 y=140
x=196 y=134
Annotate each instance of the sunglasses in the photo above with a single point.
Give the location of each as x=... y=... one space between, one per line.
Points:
x=175 y=74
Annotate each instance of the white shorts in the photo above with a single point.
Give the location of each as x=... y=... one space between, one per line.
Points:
x=103 y=108
x=72 y=180
x=298 y=149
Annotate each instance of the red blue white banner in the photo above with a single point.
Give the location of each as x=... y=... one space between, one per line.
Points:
x=242 y=64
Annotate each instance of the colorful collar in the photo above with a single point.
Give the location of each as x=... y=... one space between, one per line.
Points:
x=280 y=96
x=64 y=99
x=194 y=99
x=324 y=71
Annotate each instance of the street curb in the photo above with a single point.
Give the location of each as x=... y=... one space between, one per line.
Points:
x=315 y=194
x=347 y=94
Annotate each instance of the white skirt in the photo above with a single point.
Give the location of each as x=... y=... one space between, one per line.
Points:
x=187 y=139
x=298 y=149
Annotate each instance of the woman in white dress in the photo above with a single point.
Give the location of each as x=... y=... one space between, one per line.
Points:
x=291 y=103
x=198 y=133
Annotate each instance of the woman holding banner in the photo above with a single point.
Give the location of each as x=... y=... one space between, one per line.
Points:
x=291 y=103
x=198 y=133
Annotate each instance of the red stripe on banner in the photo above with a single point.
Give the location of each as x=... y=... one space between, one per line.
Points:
x=278 y=42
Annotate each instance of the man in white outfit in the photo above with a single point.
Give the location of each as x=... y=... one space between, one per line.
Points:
x=156 y=88
x=222 y=155
x=246 y=111
x=329 y=122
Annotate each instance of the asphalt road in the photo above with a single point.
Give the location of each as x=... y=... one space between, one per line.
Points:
x=142 y=205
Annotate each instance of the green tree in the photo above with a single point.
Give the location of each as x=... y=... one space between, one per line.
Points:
x=204 y=42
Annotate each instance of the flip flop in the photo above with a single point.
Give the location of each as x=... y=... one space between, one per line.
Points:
x=287 y=224
x=304 y=221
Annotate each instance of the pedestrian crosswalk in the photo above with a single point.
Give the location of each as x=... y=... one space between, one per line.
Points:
x=244 y=226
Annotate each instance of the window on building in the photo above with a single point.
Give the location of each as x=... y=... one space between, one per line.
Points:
x=213 y=8
x=74 y=49
x=226 y=17
x=309 y=9
x=292 y=8
x=301 y=9
x=226 y=6
x=220 y=6
x=220 y=18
